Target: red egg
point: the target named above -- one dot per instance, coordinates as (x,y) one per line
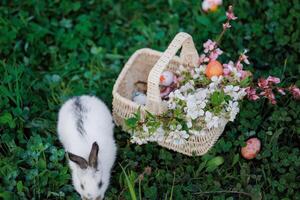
(251,149)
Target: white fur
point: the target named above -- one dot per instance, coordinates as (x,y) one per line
(98,126)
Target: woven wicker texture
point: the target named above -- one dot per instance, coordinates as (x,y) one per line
(147,65)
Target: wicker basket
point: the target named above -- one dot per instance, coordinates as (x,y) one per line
(147,65)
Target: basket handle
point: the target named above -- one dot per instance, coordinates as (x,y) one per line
(188,56)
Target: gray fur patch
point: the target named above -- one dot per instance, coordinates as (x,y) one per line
(79,114)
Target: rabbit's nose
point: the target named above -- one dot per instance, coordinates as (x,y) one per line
(85,198)
(99,198)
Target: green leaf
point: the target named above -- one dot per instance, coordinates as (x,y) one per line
(217,98)
(235,159)
(214,163)
(6,118)
(20,186)
(245,82)
(202,20)
(132,122)
(6,195)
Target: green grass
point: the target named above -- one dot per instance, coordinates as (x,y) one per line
(130,185)
(52,50)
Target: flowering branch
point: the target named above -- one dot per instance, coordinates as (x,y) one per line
(211,50)
(267,87)
(230,16)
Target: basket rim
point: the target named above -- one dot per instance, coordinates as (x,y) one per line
(128,64)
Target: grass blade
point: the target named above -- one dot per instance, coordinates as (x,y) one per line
(129,185)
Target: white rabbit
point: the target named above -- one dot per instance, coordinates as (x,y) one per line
(85,129)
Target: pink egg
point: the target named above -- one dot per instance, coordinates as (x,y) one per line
(251,149)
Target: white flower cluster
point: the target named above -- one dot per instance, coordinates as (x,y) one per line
(195,103)
(215,82)
(235,92)
(177,136)
(194,108)
(211,120)
(145,136)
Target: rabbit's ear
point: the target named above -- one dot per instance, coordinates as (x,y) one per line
(81,162)
(93,158)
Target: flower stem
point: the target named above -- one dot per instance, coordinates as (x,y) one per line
(221,34)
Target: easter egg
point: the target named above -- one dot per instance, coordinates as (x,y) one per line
(139,98)
(166,78)
(251,149)
(211,5)
(214,8)
(213,68)
(141,86)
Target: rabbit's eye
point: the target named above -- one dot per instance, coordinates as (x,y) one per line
(100,184)
(82,187)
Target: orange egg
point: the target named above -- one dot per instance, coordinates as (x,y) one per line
(251,149)
(214,8)
(214,68)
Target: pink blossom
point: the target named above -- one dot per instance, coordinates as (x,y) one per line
(228,68)
(226,72)
(295,91)
(230,15)
(226,26)
(230,65)
(175,79)
(273,79)
(239,65)
(266,83)
(244,74)
(268,93)
(203,59)
(251,94)
(209,45)
(281,91)
(273,101)
(263,83)
(244,58)
(215,54)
